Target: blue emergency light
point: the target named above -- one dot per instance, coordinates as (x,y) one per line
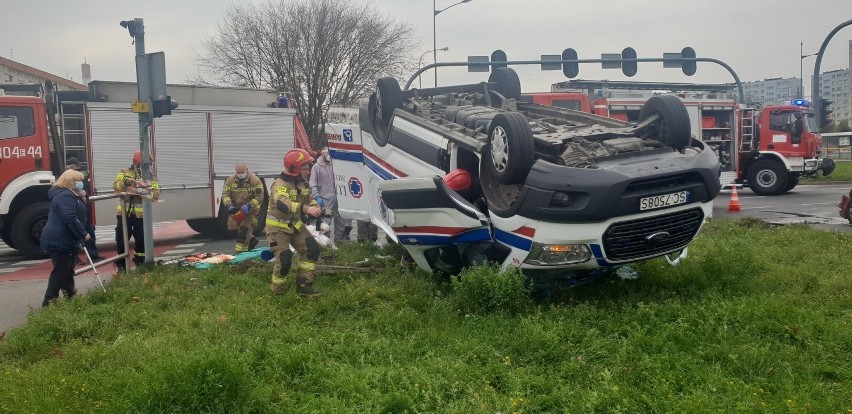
(801,102)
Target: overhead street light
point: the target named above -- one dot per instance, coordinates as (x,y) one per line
(435,13)
(801,74)
(420,61)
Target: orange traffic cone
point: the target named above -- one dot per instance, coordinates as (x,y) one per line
(734,205)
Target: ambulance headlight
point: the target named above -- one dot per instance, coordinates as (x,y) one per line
(557,254)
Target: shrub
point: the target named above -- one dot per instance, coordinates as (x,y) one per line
(485,289)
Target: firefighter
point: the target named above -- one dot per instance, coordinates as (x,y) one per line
(129,180)
(289,199)
(242,196)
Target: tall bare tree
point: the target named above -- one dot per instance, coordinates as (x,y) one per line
(321,52)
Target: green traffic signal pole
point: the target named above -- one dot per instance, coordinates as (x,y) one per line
(815,98)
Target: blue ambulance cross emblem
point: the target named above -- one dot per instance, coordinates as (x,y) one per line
(355,187)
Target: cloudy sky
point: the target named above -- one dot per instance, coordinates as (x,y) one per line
(759,39)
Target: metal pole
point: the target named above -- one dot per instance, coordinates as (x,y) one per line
(434,41)
(145,144)
(124,234)
(815,82)
(801,74)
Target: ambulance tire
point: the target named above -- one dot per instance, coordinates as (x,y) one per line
(388,97)
(510,84)
(27,228)
(510,151)
(379,130)
(673,128)
(6,233)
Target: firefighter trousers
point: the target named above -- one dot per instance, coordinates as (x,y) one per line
(305,245)
(136,230)
(245,232)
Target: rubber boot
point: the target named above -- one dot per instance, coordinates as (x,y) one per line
(252,243)
(304,288)
(278,288)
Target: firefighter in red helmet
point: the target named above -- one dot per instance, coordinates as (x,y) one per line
(289,199)
(129,180)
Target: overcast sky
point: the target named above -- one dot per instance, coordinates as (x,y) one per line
(759,39)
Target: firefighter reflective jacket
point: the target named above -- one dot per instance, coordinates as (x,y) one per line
(238,192)
(287,196)
(129,177)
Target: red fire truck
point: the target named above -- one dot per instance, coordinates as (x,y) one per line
(767,149)
(195,149)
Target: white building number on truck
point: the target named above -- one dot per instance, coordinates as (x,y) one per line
(32,151)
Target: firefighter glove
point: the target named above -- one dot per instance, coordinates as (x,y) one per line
(232,209)
(245,208)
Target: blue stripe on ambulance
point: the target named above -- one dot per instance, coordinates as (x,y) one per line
(433,240)
(511,239)
(598,253)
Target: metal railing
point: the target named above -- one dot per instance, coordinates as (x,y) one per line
(838,147)
(125,256)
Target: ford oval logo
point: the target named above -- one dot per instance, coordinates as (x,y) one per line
(657,237)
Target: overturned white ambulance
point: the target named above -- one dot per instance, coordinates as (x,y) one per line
(555,188)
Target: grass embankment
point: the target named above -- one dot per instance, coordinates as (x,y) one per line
(757,319)
(843,172)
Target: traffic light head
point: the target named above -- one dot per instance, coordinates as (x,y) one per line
(163,107)
(824,111)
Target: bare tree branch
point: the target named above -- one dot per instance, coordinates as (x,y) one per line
(320,52)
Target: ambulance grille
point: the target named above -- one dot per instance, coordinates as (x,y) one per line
(651,236)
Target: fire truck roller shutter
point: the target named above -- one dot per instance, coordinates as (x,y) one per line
(673,127)
(259,139)
(114,137)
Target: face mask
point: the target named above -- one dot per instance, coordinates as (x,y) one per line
(242,176)
(79,185)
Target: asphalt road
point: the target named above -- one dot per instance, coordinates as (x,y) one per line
(22,281)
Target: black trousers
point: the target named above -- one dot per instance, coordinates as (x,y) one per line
(61,277)
(91,244)
(135,230)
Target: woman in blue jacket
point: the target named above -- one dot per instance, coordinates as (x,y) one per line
(63,233)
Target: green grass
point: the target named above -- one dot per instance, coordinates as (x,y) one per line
(757,319)
(843,172)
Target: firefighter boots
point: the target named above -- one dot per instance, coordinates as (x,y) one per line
(304,288)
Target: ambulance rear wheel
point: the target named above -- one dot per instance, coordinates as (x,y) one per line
(27,228)
(672,128)
(767,177)
(510,84)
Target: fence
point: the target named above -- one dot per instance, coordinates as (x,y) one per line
(837,145)
(124,256)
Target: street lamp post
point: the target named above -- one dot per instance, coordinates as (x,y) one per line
(801,74)
(420,62)
(435,13)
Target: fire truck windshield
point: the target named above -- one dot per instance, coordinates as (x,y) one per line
(811,121)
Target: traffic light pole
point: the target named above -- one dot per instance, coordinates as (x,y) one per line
(143,78)
(815,85)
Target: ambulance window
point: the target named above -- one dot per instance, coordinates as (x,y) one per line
(16,122)
(811,122)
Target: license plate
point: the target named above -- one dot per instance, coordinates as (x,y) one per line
(665,200)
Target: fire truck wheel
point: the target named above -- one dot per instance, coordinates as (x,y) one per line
(27,227)
(388,98)
(510,84)
(673,127)
(511,150)
(6,233)
(767,177)
(792,182)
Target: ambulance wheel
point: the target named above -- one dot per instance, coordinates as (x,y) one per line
(6,233)
(510,84)
(672,128)
(767,177)
(511,150)
(388,98)
(27,228)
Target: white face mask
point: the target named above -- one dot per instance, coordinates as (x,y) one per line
(242,176)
